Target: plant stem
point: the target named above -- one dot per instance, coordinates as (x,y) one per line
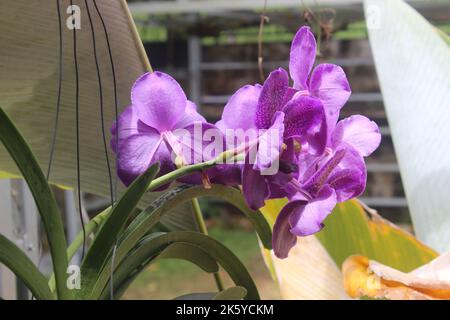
(202,227)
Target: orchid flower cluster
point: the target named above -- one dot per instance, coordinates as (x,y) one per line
(289,139)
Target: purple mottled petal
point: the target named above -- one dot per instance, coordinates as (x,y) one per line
(308,219)
(359,132)
(269,146)
(254,187)
(329,83)
(272,97)
(282,238)
(190,116)
(240,111)
(320,177)
(303,54)
(289,94)
(305,119)
(159,100)
(137,153)
(347,183)
(308,164)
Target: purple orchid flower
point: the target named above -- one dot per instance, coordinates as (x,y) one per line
(327,82)
(276,108)
(337,176)
(153,128)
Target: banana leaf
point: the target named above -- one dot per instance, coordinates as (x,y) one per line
(29,60)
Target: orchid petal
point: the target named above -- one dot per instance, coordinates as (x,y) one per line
(303,54)
(269,146)
(128,126)
(320,177)
(283,240)
(305,118)
(254,187)
(240,111)
(138,152)
(271,98)
(190,116)
(350,176)
(359,132)
(226,174)
(190,144)
(159,100)
(308,219)
(329,83)
(347,183)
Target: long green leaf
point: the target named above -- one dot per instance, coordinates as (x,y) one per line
(233,293)
(109,232)
(153,244)
(43,196)
(90,228)
(14,258)
(197,296)
(139,259)
(192,253)
(148,218)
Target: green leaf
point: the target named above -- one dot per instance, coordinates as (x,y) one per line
(166,203)
(234,293)
(412,61)
(192,253)
(139,259)
(43,196)
(148,218)
(153,244)
(13,258)
(89,229)
(109,232)
(197,296)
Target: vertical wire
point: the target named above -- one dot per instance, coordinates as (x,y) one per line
(116,107)
(58,100)
(100,86)
(116,103)
(77,125)
(56,120)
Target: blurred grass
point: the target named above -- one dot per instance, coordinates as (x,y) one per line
(168,279)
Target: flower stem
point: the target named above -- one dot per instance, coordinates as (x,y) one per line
(202,227)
